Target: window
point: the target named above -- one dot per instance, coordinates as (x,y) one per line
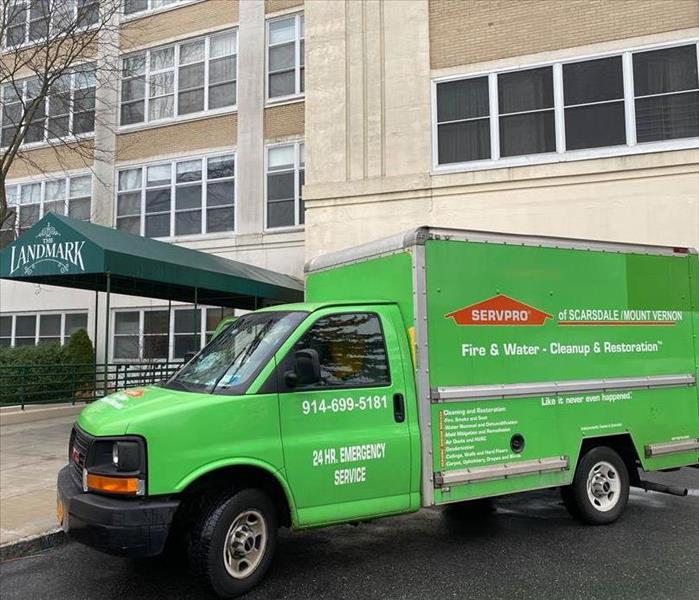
(187,78)
(351,350)
(47,328)
(285,178)
(189,196)
(666,90)
(25,330)
(30,21)
(5,331)
(463,120)
(617,102)
(525,104)
(152,334)
(50,329)
(132,7)
(187,331)
(70,196)
(285,57)
(126,335)
(155,334)
(594,103)
(68,109)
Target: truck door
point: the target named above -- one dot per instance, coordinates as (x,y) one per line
(345,437)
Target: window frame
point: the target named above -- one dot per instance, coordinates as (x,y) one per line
(298,93)
(43,182)
(203,333)
(285,363)
(297,226)
(70,136)
(560,154)
(27,43)
(173,161)
(64,336)
(176,117)
(125,17)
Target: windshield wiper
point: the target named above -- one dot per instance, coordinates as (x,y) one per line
(246,353)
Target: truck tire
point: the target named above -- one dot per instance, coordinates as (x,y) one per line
(600,489)
(232,541)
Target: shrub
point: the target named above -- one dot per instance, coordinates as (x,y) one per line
(47,372)
(79,351)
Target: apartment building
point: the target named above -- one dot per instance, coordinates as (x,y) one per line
(200,142)
(574,118)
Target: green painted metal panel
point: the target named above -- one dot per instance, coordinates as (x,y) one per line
(583,314)
(387,278)
(345,455)
(500,314)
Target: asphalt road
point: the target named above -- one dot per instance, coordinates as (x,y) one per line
(528,547)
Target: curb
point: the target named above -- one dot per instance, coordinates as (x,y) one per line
(32,544)
(15,416)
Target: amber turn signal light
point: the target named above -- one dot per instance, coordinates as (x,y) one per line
(113,485)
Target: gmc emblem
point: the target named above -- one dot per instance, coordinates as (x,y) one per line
(75,455)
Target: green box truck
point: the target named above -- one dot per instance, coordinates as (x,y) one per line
(432,367)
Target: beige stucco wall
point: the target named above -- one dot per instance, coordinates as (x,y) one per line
(284,120)
(178,23)
(200,134)
(463,32)
(649,199)
(367,90)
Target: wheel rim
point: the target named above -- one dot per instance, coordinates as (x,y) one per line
(603,486)
(245,544)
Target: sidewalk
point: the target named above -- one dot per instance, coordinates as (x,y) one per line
(31,455)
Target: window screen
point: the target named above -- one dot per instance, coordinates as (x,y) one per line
(594,103)
(462,120)
(667,94)
(526,112)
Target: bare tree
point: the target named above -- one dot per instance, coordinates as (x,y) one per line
(48,79)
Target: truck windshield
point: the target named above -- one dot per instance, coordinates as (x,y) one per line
(230,362)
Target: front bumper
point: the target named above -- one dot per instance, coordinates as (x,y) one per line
(122,526)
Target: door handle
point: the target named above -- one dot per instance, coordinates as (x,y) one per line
(398,407)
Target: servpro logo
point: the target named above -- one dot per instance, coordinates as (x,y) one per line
(499,310)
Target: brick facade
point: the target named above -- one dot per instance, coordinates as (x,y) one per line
(465,32)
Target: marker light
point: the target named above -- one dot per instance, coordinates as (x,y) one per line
(115,485)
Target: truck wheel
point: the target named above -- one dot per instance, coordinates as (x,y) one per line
(233,541)
(600,488)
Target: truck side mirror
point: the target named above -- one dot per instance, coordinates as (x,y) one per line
(189,356)
(306,368)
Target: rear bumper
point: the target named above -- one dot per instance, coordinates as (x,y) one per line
(126,527)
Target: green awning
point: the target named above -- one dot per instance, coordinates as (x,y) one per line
(61,251)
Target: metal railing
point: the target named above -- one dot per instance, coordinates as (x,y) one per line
(21,385)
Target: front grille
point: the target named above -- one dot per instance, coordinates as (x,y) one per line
(77,452)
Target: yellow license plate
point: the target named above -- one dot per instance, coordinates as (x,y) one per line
(60,511)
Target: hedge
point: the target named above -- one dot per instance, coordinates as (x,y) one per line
(48,372)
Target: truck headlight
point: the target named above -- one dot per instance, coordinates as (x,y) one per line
(116,466)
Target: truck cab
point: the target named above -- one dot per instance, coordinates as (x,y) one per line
(309,407)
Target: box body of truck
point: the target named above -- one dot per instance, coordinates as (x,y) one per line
(526,350)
